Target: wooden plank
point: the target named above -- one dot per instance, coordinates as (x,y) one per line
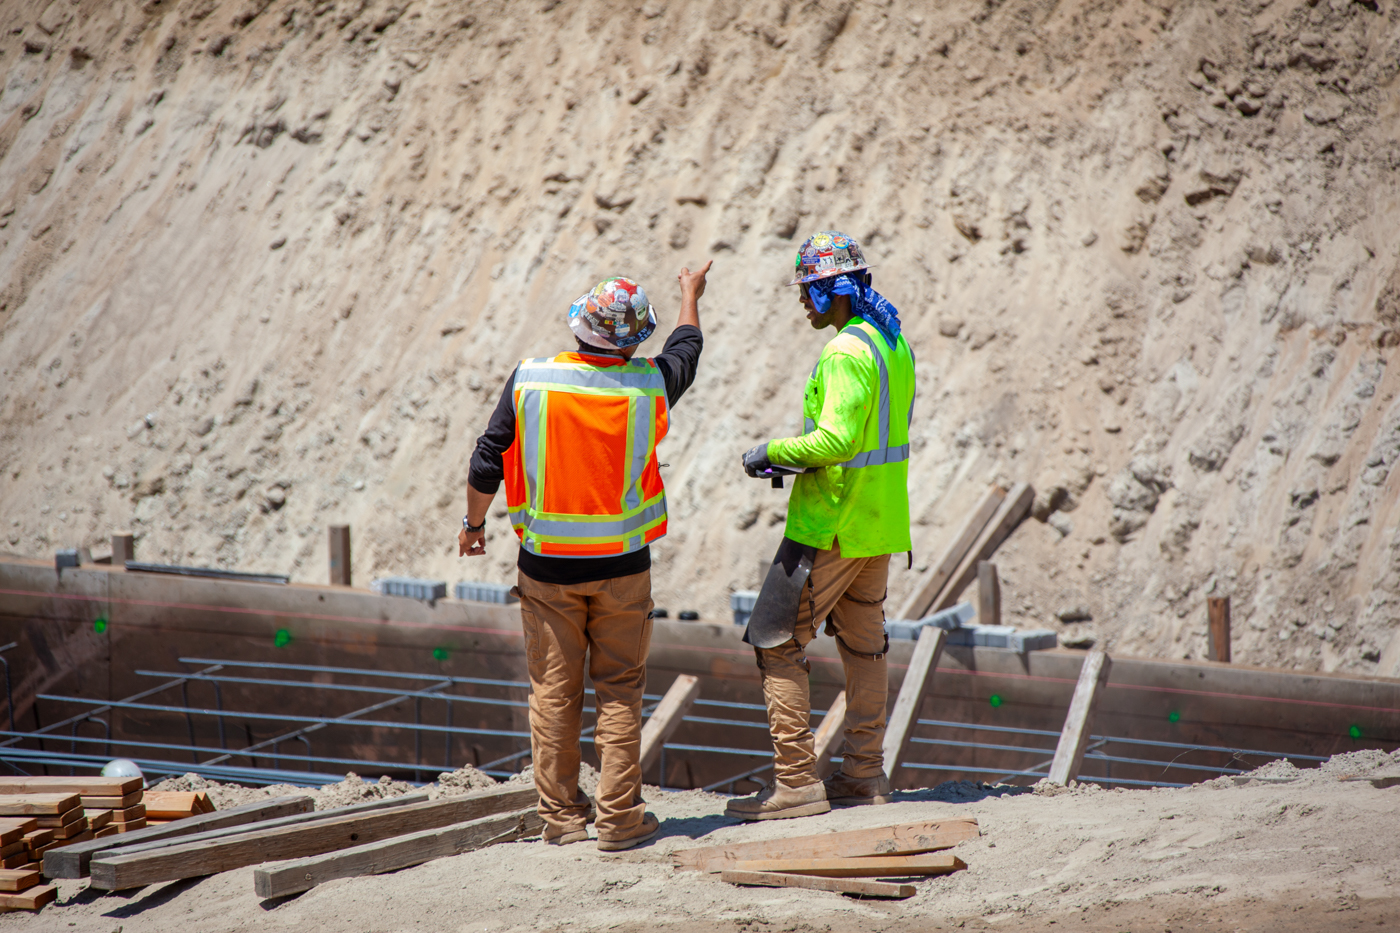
(16,860)
(32,899)
(1218,609)
(12,880)
(1074,738)
(127,869)
(86,786)
(339,555)
(66,819)
(857,886)
(72,861)
(919,602)
(202,801)
(917,680)
(1008,515)
(92,802)
(988,594)
(15,848)
(98,818)
(900,839)
(34,840)
(874,866)
(170,805)
(82,836)
(392,854)
(137,812)
(830,734)
(15,828)
(125,847)
(37,804)
(662,724)
(130,826)
(111,829)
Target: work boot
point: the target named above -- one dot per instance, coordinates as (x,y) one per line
(780,802)
(842,790)
(564,837)
(650,826)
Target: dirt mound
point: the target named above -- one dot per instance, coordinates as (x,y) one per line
(268,263)
(354,789)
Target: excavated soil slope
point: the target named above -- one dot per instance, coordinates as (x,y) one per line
(265,264)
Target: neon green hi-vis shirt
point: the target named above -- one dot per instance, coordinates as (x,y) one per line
(856,408)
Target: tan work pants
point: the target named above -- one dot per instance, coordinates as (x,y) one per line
(608,622)
(852,592)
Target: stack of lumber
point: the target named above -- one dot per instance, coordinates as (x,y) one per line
(162,807)
(20,838)
(839,862)
(362,839)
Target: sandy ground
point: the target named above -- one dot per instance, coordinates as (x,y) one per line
(1281,850)
(264,265)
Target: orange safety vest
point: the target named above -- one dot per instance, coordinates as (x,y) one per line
(581,477)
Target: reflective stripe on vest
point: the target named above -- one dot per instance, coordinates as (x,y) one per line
(884,453)
(636,519)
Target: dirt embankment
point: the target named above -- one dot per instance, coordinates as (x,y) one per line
(266,262)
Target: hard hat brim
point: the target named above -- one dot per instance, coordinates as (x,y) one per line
(584,331)
(802,279)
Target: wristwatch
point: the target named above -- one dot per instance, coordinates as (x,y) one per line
(468,526)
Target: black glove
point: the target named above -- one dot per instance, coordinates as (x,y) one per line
(756,460)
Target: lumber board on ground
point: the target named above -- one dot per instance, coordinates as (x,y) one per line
(12,880)
(37,804)
(16,828)
(124,847)
(85,786)
(830,733)
(917,680)
(120,870)
(94,802)
(31,899)
(919,602)
(870,866)
(375,858)
(1074,737)
(72,861)
(1008,515)
(900,839)
(769,879)
(662,723)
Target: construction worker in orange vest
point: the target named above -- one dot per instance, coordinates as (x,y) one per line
(574,439)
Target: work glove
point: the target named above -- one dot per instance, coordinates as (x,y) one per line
(756,460)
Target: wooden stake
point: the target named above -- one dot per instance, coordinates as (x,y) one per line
(1218,608)
(392,854)
(830,734)
(917,680)
(1013,508)
(988,594)
(123,549)
(900,839)
(663,723)
(872,866)
(917,605)
(340,555)
(768,879)
(1074,738)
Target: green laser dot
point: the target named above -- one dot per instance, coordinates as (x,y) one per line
(282,638)
(1355,732)
(439,654)
(99,625)
(996,699)
(1173,716)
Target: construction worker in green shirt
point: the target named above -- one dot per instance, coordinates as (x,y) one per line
(848,512)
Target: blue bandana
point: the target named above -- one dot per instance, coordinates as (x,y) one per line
(866,303)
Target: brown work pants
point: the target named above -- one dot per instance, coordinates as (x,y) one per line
(851,592)
(608,623)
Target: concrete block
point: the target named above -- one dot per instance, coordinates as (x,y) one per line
(1039,639)
(992,636)
(499,593)
(67,557)
(429,591)
(952,617)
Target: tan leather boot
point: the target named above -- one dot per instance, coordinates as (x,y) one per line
(645,833)
(846,791)
(780,802)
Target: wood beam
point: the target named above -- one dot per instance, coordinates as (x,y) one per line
(662,724)
(830,733)
(1074,738)
(72,861)
(899,839)
(988,594)
(118,871)
(917,680)
(340,555)
(392,854)
(1218,609)
(919,602)
(859,886)
(1008,515)
(83,786)
(869,866)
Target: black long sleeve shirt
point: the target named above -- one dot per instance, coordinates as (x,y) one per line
(678,362)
